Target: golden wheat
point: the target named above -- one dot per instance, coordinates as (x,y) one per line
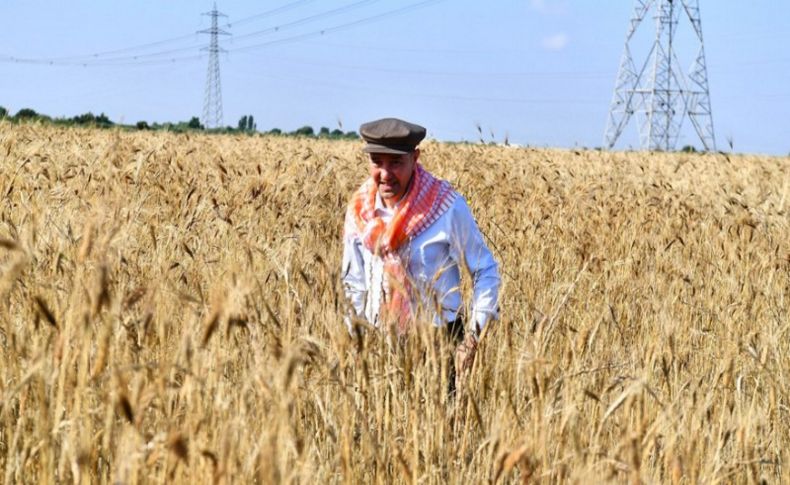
(172,312)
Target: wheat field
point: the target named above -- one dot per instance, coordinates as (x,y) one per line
(172,312)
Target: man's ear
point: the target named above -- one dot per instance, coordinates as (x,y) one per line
(416,154)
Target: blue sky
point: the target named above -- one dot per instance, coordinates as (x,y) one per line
(539,72)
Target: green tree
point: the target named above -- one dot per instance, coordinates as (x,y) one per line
(323,131)
(305,131)
(84,119)
(247,123)
(90,119)
(25,114)
(104,120)
(142,125)
(194,123)
(3,112)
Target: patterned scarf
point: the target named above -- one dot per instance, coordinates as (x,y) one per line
(427,199)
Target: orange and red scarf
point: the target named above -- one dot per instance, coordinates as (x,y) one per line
(426,200)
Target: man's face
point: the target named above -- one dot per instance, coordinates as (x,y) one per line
(391,174)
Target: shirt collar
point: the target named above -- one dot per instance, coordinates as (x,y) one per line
(381,208)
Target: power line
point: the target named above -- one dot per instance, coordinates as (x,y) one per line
(147,45)
(16,60)
(422,72)
(274,29)
(99,57)
(337,28)
(269,13)
(146,59)
(762,33)
(311,18)
(122,50)
(421,49)
(443,96)
(236,23)
(269,30)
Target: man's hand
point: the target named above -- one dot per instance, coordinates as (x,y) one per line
(464,358)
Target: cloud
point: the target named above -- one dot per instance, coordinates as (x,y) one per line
(539,5)
(555,42)
(547,7)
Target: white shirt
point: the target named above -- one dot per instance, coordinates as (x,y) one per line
(433,259)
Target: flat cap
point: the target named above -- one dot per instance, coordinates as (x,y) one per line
(391,135)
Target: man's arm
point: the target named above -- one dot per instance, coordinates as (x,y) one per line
(353,275)
(470,249)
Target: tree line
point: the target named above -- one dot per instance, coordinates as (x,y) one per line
(246,124)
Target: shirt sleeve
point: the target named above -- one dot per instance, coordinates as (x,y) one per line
(469,249)
(353,272)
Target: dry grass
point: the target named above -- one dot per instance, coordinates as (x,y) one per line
(171,312)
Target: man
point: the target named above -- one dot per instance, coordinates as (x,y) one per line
(406,235)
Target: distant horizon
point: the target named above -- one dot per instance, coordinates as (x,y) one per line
(170,126)
(535,72)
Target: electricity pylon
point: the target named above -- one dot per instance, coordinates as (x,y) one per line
(660,94)
(212,104)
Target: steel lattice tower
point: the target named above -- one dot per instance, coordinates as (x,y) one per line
(212,104)
(660,93)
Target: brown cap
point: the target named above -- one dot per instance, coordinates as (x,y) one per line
(391,135)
